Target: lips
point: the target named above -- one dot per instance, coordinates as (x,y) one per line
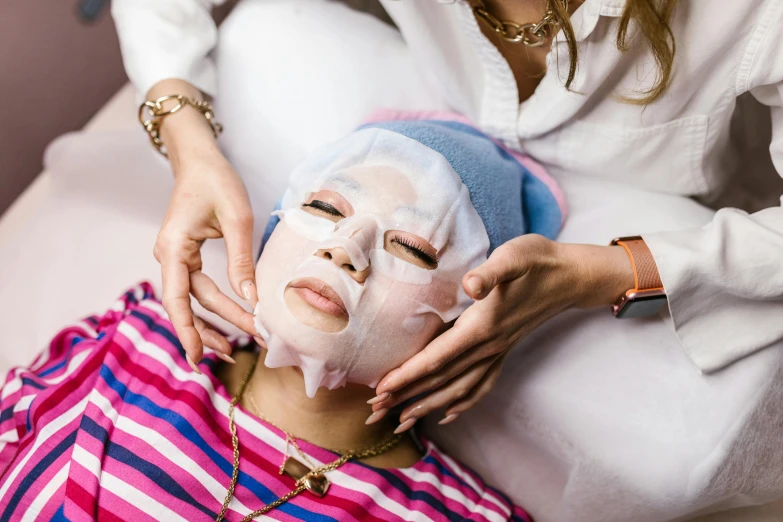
(320,296)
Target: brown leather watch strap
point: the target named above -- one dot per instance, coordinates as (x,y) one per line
(645,271)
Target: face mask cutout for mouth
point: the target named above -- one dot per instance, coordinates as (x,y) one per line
(365,266)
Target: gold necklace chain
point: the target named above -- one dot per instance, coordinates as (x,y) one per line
(289,439)
(532,35)
(301,484)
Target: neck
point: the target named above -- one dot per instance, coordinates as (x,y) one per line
(333,419)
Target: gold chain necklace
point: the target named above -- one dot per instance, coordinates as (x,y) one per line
(312,480)
(532,35)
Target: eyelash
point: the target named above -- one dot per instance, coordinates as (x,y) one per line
(324,207)
(413,249)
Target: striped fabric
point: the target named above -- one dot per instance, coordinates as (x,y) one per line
(109,423)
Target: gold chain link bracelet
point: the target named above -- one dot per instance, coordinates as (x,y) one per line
(156,113)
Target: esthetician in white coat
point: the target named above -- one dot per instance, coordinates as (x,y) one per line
(647,103)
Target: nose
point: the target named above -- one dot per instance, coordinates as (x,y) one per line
(340,257)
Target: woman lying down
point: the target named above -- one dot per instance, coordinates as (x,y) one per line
(362,269)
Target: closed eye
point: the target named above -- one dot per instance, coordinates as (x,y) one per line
(415,251)
(327,204)
(322,206)
(411,248)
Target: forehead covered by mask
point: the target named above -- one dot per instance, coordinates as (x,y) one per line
(365,266)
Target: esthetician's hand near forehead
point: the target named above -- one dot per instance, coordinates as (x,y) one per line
(524,283)
(209,201)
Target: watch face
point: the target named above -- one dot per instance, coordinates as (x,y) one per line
(641,306)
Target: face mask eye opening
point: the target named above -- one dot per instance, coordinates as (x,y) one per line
(328,204)
(411,249)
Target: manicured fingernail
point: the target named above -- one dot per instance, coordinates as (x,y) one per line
(405,425)
(376,416)
(415,413)
(192,364)
(379,398)
(248,287)
(476,285)
(225,357)
(388,381)
(448,418)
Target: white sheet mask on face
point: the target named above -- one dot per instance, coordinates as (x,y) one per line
(393,183)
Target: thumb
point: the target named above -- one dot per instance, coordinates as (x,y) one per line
(503,265)
(241,268)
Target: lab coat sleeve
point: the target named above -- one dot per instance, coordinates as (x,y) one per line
(725,281)
(167,39)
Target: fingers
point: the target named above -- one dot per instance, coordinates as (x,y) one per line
(476,394)
(238,234)
(212,299)
(504,264)
(442,350)
(176,302)
(212,339)
(458,388)
(429,382)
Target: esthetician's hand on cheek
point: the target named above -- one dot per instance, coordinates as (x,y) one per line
(209,201)
(524,283)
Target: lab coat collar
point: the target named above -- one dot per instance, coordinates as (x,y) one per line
(612,8)
(586,17)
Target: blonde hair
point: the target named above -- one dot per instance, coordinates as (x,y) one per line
(651,18)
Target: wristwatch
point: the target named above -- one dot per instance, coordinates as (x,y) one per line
(648,296)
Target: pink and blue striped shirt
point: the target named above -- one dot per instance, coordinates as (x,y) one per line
(109,423)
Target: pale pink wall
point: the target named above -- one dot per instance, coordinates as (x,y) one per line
(55,73)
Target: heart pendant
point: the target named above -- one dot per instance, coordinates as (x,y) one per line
(317,484)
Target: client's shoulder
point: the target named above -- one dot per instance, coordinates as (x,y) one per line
(139,335)
(94,360)
(462,489)
(131,340)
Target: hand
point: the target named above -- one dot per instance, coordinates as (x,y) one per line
(523,283)
(209,201)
